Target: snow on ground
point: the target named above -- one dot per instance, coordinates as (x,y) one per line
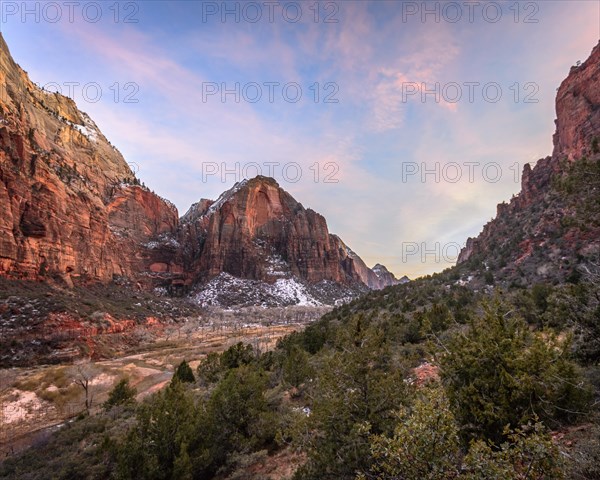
(24,407)
(379,270)
(103,379)
(294,292)
(89,129)
(226,290)
(277,267)
(462,282)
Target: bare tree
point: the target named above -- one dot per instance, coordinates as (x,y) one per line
(83,373)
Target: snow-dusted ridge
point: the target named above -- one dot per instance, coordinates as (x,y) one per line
(226,196)
(225,290)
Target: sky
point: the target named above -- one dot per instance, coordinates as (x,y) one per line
(403,123)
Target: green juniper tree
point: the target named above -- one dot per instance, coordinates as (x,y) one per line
(184,373)
(500,373)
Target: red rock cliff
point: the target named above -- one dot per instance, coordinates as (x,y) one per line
(578,109)
(66,206)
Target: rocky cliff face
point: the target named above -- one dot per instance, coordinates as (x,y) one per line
(536,234)
(257,231)
(577,109)
(68,203)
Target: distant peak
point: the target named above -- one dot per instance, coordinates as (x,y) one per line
(381,271)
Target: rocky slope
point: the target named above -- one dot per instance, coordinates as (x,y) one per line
(554,222)
(69,200)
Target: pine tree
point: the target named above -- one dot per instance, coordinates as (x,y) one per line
(121,394)
(184,373)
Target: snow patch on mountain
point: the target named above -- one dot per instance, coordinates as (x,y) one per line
(225,290)
(295,292)
(89,129)
(277,266)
